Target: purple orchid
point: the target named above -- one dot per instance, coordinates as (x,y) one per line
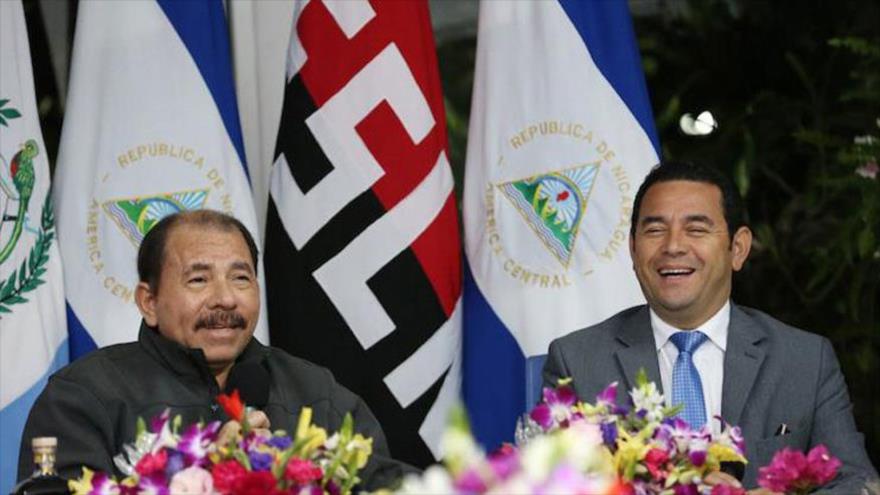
(196,441)
(103,484)
(556,408)
(732,436)
(158,422)
(675,434)
(608,397)
(152,485)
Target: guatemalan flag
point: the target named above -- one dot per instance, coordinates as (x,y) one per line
(33,336)
(151,128)
(561,136)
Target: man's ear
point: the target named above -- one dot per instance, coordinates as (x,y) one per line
(146,303)
(740,247)
(632,248)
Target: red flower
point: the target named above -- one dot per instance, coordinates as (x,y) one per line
(226,475)
(233,405)
(152,463)
(256,483)
(655,459)
(302,472)
(728,490)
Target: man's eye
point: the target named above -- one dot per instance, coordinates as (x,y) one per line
(196,280)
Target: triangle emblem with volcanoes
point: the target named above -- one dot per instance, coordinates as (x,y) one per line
(135,216)
(554,205)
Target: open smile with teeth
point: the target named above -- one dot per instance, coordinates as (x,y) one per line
(675,272)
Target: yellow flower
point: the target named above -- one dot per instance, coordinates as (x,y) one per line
(309,436)
(358,451)
(305,419)
(83,485)
(631,450)
(719,453)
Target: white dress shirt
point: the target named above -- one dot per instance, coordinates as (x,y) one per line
(708,359)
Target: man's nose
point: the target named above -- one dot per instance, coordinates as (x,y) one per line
(675,242)
(222,295)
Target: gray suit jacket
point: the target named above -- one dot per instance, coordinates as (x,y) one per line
(773,374)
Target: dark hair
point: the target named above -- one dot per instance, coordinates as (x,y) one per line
(151,254)
(731,202)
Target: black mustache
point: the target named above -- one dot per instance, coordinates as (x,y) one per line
(229,319)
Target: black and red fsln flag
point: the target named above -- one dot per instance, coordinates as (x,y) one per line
(362,246)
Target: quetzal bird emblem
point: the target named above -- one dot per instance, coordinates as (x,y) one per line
(21,169)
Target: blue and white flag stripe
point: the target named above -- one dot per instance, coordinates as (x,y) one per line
(33,339)
(152,120)
(557,85)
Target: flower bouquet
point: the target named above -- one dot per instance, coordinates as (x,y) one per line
(653,451)
(566,446)
(164,460)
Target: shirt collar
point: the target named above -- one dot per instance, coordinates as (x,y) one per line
(715,328)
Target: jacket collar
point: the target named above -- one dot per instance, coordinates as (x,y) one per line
(189,362)
(638,349)
(742,360)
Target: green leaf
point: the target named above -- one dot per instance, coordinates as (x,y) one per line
(22,272)
(242,459)
(10,113)
(15,299)
(866,243)
(4,309)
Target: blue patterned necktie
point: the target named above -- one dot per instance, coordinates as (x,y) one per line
(687,388)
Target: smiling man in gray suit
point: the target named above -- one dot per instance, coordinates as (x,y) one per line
(782,385)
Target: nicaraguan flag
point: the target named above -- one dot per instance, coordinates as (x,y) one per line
(561,136)
(33,335)
(151,128)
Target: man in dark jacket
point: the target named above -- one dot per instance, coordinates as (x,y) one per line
(200,301)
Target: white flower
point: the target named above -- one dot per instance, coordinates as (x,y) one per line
(649,399)
(869,170)
(538,458)
(434,480)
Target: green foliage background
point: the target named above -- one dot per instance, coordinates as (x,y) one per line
(795,87)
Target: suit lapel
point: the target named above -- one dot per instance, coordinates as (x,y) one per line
(742,360)
(639,350)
